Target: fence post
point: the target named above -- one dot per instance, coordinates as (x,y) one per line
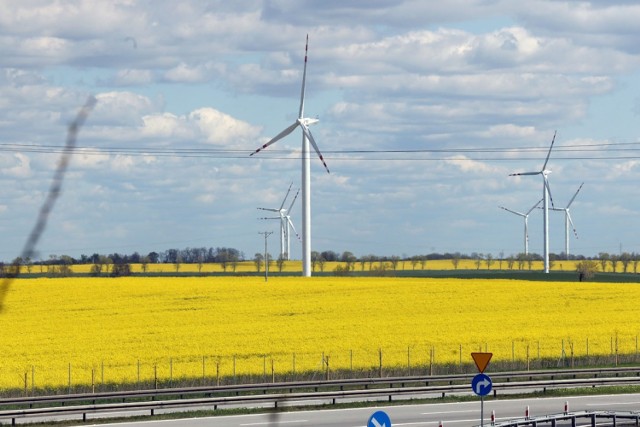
(431,360)
(273,372)
(409,359)
(572,359)
(528,360)
(25,383)
(234,368)
(138,373)
(93,381)
(327,367)
(380,365)
(170,372)
(264,368)
(155,376)
(69,378)
(102,373)
(33,378)
(218,373)
(351,360)
(294,366)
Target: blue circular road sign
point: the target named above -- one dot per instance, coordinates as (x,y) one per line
(481,384)
(379,419)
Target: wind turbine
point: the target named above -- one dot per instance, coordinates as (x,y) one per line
(285,224)
(546,196)
(303,123)
(526,227)
(567,221)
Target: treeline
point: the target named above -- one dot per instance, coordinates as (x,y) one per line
(170,256)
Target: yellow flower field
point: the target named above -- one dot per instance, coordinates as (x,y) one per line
(120,330)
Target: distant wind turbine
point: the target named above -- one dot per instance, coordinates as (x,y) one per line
(526,227)
(546,196)
(567,221)
(285,224)
(307,138)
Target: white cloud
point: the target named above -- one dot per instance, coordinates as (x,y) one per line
(222,129)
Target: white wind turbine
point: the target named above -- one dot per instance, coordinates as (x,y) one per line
(285,224)
(303,123)
(546,195)
(526,227)
(567,221)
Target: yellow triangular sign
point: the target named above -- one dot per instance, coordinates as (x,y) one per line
(482,360)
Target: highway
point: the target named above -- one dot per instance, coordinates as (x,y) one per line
(451,414)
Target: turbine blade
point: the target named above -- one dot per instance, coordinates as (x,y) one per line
(304,78)
(525,173)
(279,136)
(513,212)
(269,217)
(534,206)
(294,229)
(549,153)
(546,184)
(285,197)
(270,210)
(307,133)
(572,225)
(294,200)
(574,196)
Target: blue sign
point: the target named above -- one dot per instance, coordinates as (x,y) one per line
(481,384)
(379,419)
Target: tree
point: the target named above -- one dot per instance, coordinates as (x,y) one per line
(394,261)
(478,260)
(604,258)
(280,262)
(144,262)
(586,269)
(625,260)
(614,262)
(455,261)
(489,261)
(349,259)
(510,260)
(258,259)
(315,255)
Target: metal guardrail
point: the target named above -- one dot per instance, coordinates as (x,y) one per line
(614,418)
(332,391)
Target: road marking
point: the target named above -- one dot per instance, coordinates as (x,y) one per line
(271,423)
(448,412)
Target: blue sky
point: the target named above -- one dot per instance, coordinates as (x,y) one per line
(473,85)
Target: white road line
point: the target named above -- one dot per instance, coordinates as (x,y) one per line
(271,423)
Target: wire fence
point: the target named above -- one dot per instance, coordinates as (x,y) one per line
(186,371)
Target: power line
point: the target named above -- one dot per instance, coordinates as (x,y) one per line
(599,151)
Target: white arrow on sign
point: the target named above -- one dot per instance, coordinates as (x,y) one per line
(482,384)
(377,424)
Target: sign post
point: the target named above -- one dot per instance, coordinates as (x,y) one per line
(481,383)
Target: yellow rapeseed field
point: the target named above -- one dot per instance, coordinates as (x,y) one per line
(56,331)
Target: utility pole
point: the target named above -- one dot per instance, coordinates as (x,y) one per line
(266,254)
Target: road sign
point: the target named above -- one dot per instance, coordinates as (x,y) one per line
(482,360)
(379,419)
(481,384)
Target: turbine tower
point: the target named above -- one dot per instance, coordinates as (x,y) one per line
(567,221)
(285,224)
(526,227)
(546,196)
(303,123)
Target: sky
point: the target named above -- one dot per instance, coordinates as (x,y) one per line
(424,110)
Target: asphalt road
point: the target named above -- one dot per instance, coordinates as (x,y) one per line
(450,414)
